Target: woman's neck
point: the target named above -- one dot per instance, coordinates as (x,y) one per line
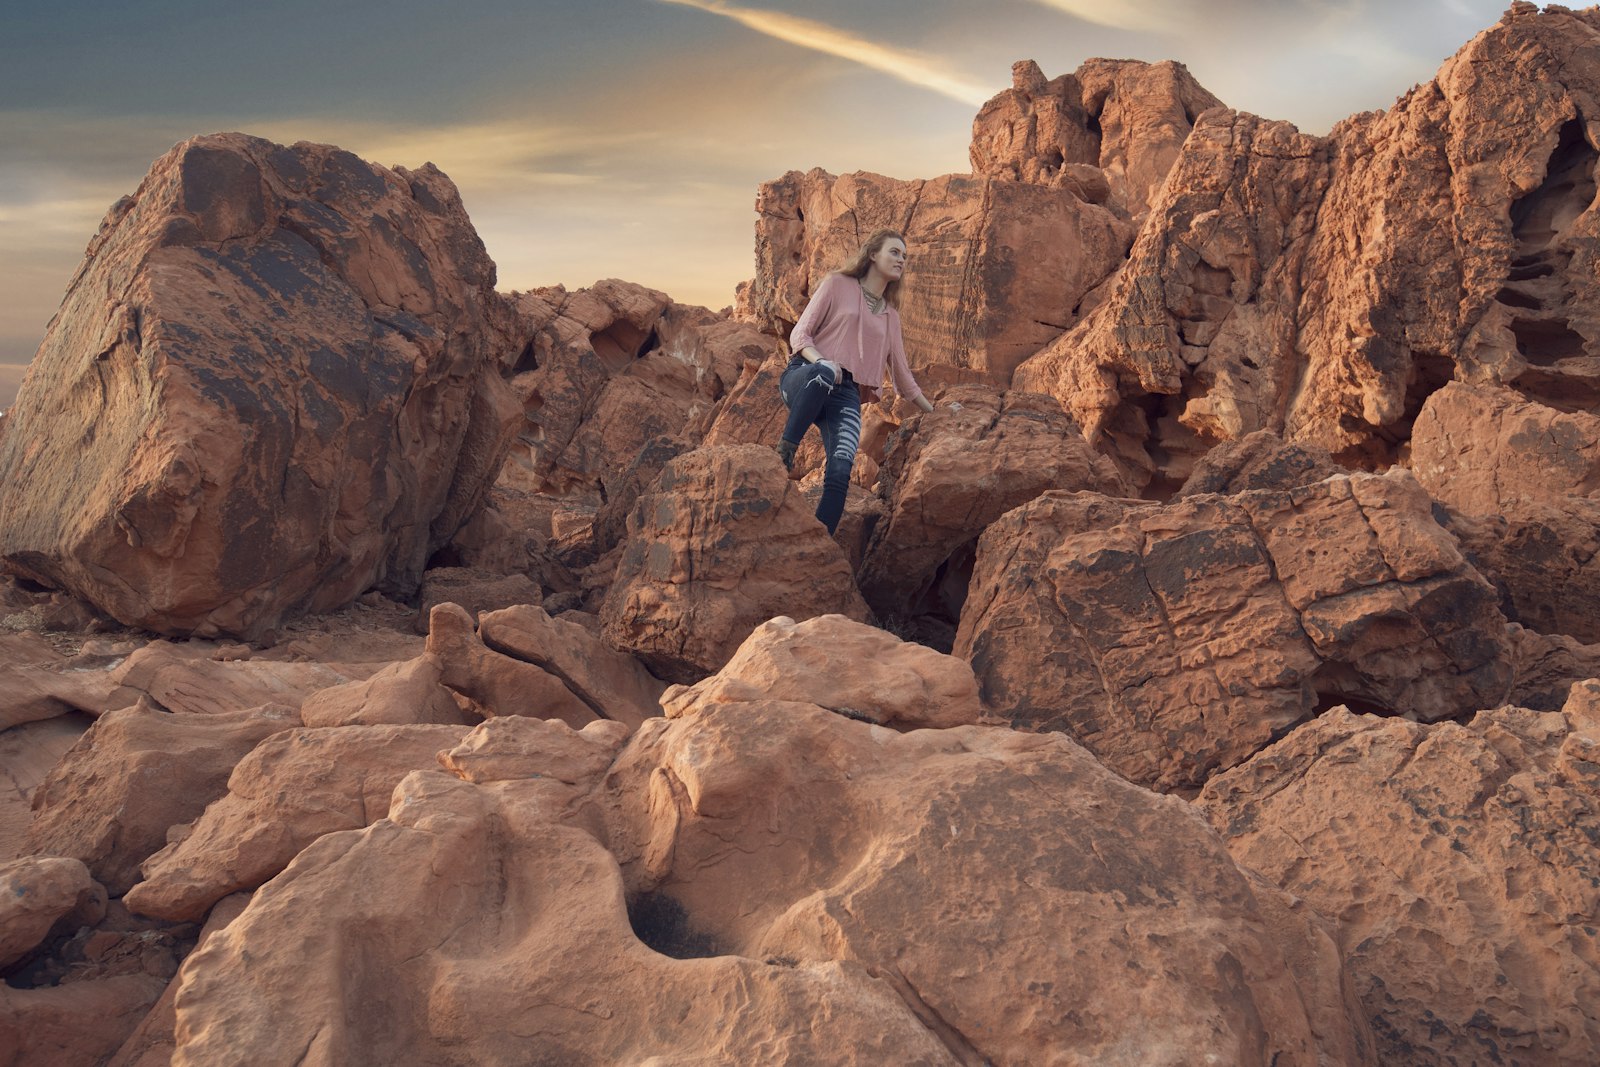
(874,282)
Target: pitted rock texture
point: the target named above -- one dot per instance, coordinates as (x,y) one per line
(273,384)
(608,368)
(721,543)
(949,474)
(1178,640)
(1324,287)
(1459,864)
(1110,131)
(1203,316)
(137,772)
(290,790)
(848,667)
(997,267)
(861,841)
(1526,478)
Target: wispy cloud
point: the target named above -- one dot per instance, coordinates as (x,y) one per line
(913,68)
(1144,16)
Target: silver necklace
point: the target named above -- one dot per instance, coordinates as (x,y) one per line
(874,301)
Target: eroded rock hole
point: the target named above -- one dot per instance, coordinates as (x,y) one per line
(620,344)
(527,360)
(1544,342)
(1566,192)
(661,922)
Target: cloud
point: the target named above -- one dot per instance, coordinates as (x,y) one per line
(1143,16)
(910,67)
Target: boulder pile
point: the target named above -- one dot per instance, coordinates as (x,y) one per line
(393,670)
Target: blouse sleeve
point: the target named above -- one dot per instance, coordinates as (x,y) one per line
(815,314)
(899,369)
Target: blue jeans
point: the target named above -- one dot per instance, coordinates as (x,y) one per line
(812,397)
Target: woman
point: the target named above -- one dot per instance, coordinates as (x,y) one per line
(848,335)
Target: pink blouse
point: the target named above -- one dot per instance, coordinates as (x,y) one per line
(838,323)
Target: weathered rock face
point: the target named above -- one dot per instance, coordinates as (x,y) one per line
(138,771)
(997,268)
(290,790)
(848,667)
(1116,125)
(722,543)
(1204,314)
(81,1022)
(1527,479)
(1175,641)
(1459,864)
(1323,287)
(860,841)
(609,368)
(1024,852)
(1260,460)
(272,385)
(952,475)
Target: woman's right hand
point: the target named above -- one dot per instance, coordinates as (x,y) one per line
(833,369)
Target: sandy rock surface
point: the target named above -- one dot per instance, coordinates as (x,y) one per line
(1459,865)
(272,385)
(290,790)
(673,837)
(846,666)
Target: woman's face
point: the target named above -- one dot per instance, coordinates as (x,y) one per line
(891,259)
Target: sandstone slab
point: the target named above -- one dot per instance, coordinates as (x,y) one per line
(845,666)
(1525,480)
(138,771)
(290,790)
(612,684)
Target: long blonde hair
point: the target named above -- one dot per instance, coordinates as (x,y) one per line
(861,262)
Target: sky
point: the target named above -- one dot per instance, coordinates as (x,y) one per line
(615,138)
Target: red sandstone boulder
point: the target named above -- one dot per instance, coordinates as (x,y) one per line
(1526,480)
(1177,640)
(1459,864)
(848,667)
(138,771)
(37,893)
(490,683)
(721,543)
(948,475)
(290,790)
(997,269)
(272,385)
(408,693)
(612,684)
(1259,460)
